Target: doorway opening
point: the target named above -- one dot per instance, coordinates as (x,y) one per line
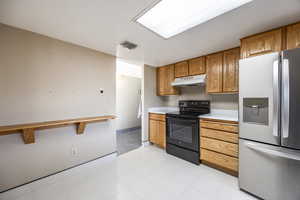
(129,108)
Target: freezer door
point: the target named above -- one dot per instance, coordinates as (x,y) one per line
(291,98)
(259,98)
(269,172)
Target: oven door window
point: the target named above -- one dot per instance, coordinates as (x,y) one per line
(183,132)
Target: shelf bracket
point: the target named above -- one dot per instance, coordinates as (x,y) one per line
(80,128)
(28,136)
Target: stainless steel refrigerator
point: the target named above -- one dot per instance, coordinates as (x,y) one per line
(269,144)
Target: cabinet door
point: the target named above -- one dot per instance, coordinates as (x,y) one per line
(197,66)
(261,44)
(214,65)
(165,76)
(293,36)
(181,69)
(231,70)
(161,80)
(153,128)
(161,135)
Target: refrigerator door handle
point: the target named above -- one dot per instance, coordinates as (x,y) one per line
(285,98)
(276,97)
(272,152)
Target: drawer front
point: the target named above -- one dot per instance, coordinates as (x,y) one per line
(219,159)
(160,117)
(219,146)
(220,135)
(219,126)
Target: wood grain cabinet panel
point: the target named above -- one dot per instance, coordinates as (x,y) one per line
(262,43)
(161,135)
(219,126)
(219,135)
(219,146)
(157,129)
(218,159)
(165,76)
(214,71)
(181,69)
(159,117)
(161,80)
(231,70)
(153,131)
(197,66)
(293,36)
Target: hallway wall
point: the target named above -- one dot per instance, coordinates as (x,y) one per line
(128,99)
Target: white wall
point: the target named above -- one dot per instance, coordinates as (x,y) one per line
(128,99)
(150,99)
(45,79)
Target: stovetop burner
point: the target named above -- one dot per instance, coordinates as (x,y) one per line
(191,109)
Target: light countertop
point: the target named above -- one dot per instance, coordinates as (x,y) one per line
(162,110)
(220,114)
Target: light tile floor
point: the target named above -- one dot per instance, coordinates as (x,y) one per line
(147,173)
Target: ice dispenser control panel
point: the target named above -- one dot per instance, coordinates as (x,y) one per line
(256,110)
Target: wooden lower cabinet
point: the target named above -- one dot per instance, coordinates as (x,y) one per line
(221,160)
(219,145)
(157,129)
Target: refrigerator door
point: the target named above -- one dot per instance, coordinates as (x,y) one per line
(291,98)
(259,96)
(268,171)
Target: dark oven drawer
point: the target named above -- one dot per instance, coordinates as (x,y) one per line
(183,132)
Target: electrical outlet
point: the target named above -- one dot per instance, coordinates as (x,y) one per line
(74,151)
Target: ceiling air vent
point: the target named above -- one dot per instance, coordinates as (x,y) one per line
(128,45)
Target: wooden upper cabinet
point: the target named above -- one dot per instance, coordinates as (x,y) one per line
(161,71)
(293,36)
(181,69)
(197,66)
(262,43)
(165,76)
(231,70)
(214,71)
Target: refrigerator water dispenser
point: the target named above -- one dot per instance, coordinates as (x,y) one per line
(256,110)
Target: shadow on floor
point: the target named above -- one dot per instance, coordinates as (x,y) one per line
(128,140)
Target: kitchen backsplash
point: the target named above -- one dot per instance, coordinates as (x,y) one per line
(218,101)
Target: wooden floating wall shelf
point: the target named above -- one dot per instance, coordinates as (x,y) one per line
(27,130)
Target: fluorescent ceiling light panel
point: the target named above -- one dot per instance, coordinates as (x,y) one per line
(171,17)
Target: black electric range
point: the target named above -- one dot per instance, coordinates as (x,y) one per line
(183,130)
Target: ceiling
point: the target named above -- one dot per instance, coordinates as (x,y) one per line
(102,25)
